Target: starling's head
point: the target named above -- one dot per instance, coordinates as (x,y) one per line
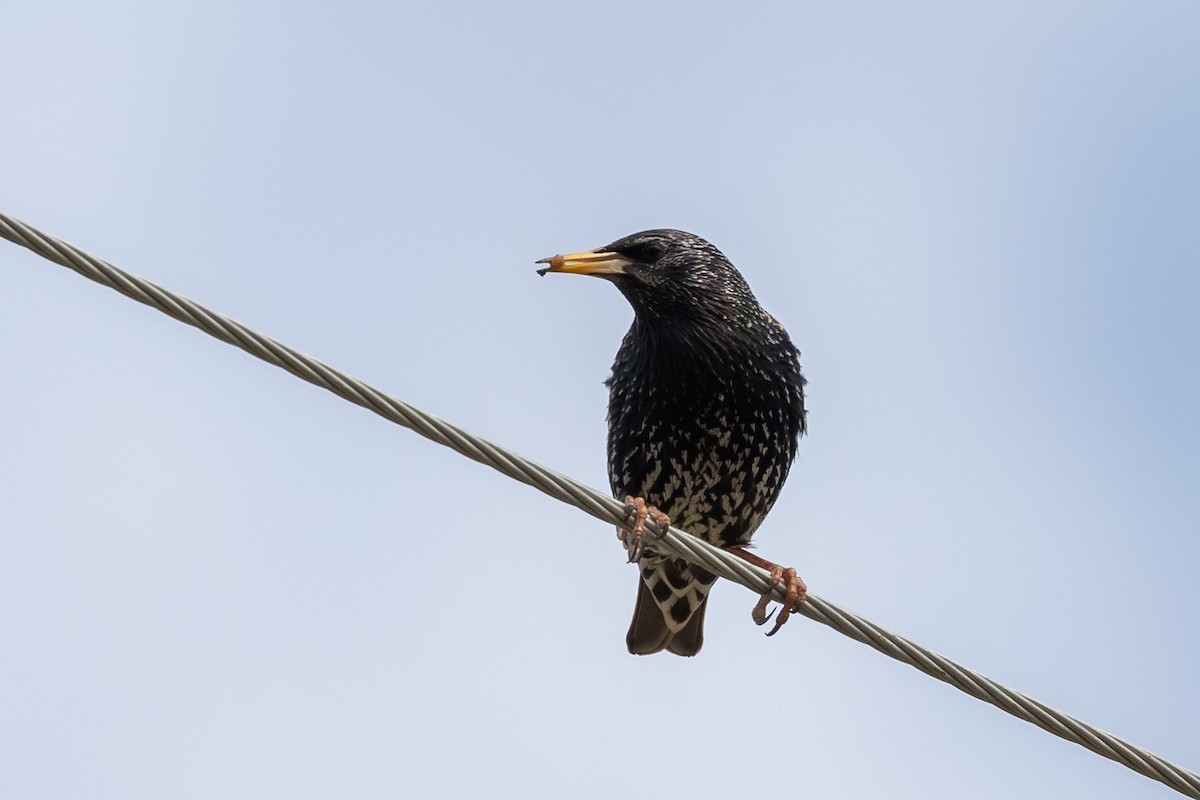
(665,274)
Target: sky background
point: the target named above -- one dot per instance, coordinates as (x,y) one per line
(978,222)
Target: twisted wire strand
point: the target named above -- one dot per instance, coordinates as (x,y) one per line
(599,505)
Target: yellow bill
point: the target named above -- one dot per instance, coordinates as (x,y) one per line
(588,262)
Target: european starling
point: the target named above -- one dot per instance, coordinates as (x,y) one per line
(705,412)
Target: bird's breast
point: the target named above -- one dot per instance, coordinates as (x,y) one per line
(709,447)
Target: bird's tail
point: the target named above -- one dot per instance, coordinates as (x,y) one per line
(669,614)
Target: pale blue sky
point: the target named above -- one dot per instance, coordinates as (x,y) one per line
(978,221)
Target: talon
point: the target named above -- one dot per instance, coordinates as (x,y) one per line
(759,614)
(632,506)
(660,519)
(638,511)
(794,596)
(635,512)
(795,593)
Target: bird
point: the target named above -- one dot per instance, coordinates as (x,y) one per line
(705,414)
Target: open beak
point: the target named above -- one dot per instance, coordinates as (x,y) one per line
(600,263)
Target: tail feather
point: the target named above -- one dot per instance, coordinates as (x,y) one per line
(657,623)
(648,633)
(689,640)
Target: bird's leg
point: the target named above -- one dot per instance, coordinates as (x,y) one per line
(795,593)
(637,511)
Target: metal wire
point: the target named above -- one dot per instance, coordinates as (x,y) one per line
(599,505)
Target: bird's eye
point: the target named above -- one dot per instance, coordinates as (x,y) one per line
(644,252)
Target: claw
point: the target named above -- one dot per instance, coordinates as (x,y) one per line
(759,613)
(795,594)
(638,511)
(635,512)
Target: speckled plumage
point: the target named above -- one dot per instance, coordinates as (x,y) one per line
(706,407)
